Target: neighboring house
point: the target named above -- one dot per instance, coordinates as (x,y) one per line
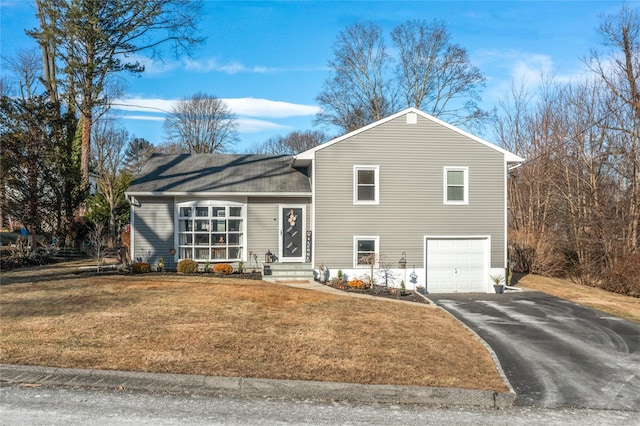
(406,187)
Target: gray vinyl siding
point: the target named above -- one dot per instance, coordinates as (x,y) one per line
(411,159)
(154,236)
(263,223)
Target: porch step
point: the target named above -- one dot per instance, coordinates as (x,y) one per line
(287,272)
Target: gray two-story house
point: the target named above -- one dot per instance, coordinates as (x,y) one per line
(406,190)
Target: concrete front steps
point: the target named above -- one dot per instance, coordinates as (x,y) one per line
(287,272)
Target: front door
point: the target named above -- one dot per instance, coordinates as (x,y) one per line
(292,230)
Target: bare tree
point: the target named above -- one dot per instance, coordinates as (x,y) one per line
(360,90)
(293,143)
(108,164)
(574,204)
(90,41)
(435,75)
(96,238)
(202,123)
(620,71)
(431,73)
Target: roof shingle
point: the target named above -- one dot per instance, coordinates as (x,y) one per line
(219,173)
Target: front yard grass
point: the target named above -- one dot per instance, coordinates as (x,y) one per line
(228,327)
(626,307)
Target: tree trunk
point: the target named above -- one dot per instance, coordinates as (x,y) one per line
(85,155)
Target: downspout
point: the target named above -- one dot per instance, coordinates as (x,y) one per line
(132,204)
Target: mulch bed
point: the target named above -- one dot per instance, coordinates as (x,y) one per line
(381,291)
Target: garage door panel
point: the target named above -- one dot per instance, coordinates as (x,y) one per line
(457,264)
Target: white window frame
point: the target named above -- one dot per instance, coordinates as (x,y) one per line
(445,187)
(210,204)
(376,174)
(357,238)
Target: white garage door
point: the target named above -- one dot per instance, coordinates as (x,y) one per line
(457,264)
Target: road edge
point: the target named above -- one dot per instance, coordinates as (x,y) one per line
(248,387)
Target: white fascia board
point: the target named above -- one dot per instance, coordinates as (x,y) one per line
(310,154)
(219,194)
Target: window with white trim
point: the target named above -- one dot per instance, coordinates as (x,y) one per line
(365,251)
(210,231)
(366,184)
(456,185)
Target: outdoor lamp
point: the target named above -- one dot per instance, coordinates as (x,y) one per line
(403,261)
(268,257)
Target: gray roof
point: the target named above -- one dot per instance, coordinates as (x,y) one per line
(219,173)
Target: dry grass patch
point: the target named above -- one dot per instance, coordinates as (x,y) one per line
(626,307)
(227,327)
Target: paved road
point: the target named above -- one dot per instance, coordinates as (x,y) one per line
(554,352)
(20,405)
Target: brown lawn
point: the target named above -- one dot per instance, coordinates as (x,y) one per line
(615,304)
(228,327)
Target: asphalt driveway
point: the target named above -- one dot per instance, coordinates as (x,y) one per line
(554,352)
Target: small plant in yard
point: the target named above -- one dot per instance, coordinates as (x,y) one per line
(161,264)
(140,268)
(187,266)
(207,266)
(222,268)
(357,284)
(240,266)
(497,279)
(403,289)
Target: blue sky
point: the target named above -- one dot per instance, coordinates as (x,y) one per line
(268,60)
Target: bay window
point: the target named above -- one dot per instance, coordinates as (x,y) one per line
(210,231)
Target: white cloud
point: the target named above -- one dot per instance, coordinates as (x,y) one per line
(254,115)
(143,117)
(233,67)
(253,107)
(513,67)
(243,107)
(252,125)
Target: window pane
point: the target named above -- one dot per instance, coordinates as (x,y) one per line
(202,225)
(186,239)
(219,253)
(234,239)
(366,193)
(235,225)
(455,177)
(202,211)
(235,252)
(185,253)
(219,226)
(455,193)
(202,253)
(202,239)
(235,211)
(219,211)
(185,225)
(366,245)
(365,258)
(219,239)
(366,177)
(185,211)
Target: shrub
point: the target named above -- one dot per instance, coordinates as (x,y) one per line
(623,276)
(140,268)
(187,266)
(222,268)
(357,284)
